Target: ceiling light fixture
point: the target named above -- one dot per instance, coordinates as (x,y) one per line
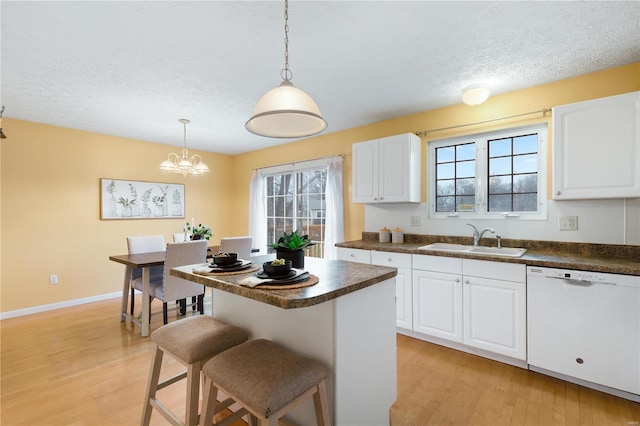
(475,94)
(286,111)
(2,135)
(185,165)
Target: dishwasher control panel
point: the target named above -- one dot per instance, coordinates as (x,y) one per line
(582,276)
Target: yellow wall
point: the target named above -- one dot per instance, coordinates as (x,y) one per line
(50,179)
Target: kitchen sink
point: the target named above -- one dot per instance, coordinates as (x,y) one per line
(477,250)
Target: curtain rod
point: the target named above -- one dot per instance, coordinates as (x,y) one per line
(425,132)
(293,163)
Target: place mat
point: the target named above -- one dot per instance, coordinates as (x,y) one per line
(218,273)
(312,280)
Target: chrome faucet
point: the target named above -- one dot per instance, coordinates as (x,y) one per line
(477,235)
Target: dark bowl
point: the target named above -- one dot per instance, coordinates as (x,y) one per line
(225,260)
(276,270)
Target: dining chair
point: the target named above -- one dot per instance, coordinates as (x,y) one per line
(179,237)
(239,245)
(178,289)
(145,244)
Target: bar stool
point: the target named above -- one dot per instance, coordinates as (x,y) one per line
(191,341)
(266,380)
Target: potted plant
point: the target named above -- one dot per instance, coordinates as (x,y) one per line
(290,246)
(199,232)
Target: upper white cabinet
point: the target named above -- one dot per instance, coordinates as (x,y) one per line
(596,148)
(387,170)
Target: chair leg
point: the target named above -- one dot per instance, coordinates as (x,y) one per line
(208,402)
(193,394)
(152,386)
(201,304)
(183,306)
(193,302)
(165,317)
(133,299)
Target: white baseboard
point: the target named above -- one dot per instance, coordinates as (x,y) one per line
(59,305)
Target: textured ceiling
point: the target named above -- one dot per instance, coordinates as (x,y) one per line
(132,69)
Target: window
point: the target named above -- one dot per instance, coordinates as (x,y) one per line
(494,174)
(295,200)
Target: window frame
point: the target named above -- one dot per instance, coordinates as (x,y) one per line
(482,173)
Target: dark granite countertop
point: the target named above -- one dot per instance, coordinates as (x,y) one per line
(610,258)
(336,278)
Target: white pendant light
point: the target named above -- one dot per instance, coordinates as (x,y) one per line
(286,111)
(475,94)
(183,164)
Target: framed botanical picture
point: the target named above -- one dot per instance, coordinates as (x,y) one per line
(129,199)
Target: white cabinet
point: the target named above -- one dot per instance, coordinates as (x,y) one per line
(404,297)
(596,148)
(481,304)
(353,255)
(495,307)
(437,297)
(387,170)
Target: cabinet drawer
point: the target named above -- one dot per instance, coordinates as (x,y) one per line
(396,260)
(354,255)
(448,265)
(495,270)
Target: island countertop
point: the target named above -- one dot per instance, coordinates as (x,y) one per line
(336,278)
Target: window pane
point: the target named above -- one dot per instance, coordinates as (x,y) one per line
(466,204)
(466,169)
(445,171)
(525,183)
(270,206)
(302,205)
(525,144)
(288,207)
(445,154)
(465,187)
(445,187)
(500,185)
(525,163)
(525,202)
(500,147)
(278,206)
(500,203)
(445,204)
(500,166)
(270,185)
(466,152)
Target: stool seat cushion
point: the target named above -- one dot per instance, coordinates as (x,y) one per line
(263,375)
(198,338)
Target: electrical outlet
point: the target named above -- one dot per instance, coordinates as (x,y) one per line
(568,223)
(416,221)
(53,279)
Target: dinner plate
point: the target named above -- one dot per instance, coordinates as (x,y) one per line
(261,274)
(231,265)
(293,280)
(238,266)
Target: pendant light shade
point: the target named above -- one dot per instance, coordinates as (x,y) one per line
(286,111)
(476,94)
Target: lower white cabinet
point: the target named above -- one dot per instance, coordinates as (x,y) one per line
(481,304)
(402,261)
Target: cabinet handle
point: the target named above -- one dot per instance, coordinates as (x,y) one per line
(389,260)
(579,360)
(352,255)
(457,280)
(382,198)
(466,281)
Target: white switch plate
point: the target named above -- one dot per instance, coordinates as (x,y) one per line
(53,279)
(416,221)
(568,223)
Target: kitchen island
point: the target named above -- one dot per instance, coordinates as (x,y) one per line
(346,320)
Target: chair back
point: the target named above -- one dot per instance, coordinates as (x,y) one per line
(240,245)
(180,254)
(146,244)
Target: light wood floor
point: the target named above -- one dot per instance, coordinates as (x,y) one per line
(81,366)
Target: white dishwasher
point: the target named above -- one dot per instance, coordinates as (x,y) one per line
(585,325)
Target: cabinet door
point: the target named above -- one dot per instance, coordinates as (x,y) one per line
(596,148)
(437,305)
(399,169)
(365,172)
(404,298)
(495,316)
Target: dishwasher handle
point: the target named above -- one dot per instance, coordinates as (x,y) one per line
(580,281)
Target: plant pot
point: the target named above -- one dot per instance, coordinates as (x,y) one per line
(296,257)
(196,237)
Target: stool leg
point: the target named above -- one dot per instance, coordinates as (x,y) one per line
(208,402)
(152,386)
(321,404)
(133,299)
(193,394)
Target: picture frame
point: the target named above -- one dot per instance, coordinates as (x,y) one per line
(131,199)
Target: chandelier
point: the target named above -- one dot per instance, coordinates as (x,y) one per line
(185,165)
(286,111)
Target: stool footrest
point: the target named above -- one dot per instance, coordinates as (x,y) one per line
(171,380)
(232,417)
(166,413)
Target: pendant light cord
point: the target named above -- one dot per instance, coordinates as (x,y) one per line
(286,73)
